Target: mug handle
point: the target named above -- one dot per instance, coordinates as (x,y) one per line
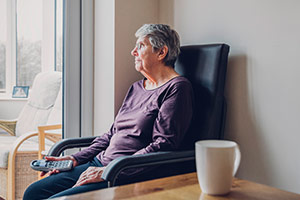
(237,159)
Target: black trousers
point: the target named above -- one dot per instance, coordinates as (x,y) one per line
(61,184)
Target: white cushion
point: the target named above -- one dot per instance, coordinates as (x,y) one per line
(55,116)
(44,106)
(45,88)
(43,95)
(7,143)
(33,118)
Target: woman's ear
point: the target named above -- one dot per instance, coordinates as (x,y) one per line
(162,53)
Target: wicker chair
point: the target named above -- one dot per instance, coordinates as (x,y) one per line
(20,145)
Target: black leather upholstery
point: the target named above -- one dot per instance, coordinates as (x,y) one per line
(205,66)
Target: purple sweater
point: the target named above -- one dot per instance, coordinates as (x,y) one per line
(148,121)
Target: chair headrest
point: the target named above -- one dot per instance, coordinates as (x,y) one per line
(44,90)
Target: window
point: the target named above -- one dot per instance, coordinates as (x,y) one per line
(30,41)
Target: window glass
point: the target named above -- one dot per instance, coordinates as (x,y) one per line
(3,34)
(29,40)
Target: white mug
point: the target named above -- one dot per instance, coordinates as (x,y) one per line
(217,162)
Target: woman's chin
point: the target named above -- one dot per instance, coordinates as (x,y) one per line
(138,68)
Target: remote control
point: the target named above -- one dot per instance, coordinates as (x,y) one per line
(47,165)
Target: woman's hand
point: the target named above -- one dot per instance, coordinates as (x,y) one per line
(55,171)
(91,175)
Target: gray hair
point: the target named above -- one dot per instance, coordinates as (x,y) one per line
(161,35)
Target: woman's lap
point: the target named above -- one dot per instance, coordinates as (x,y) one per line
(61,184)
(80,189)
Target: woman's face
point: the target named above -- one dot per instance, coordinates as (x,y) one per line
(145,58)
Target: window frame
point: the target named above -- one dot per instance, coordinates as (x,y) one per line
(10,47)
(78,89)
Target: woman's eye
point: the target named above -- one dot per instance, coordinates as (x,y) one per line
(139,46)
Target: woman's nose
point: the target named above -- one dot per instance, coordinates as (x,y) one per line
(134,52)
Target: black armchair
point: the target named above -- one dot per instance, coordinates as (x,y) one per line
(205,66)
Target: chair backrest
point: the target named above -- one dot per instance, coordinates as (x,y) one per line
(205,66)
(41,100)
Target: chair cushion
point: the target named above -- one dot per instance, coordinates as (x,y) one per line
(33,118)
(7,143)
(43,95)
(45,88)
(55,116)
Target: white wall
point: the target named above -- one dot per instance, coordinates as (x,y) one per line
(115,24)
(263,102)
(262,82)
(130,15)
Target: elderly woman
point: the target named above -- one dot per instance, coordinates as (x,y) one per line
(154,116)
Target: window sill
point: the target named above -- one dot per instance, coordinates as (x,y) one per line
(9,98)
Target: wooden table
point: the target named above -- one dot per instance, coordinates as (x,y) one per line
(185,187)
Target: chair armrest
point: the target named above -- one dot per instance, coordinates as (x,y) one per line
(11,175)
(9,126)
(42,135)
(115,167)
(69,143)
(52,136)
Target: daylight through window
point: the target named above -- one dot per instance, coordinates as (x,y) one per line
(30,41)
